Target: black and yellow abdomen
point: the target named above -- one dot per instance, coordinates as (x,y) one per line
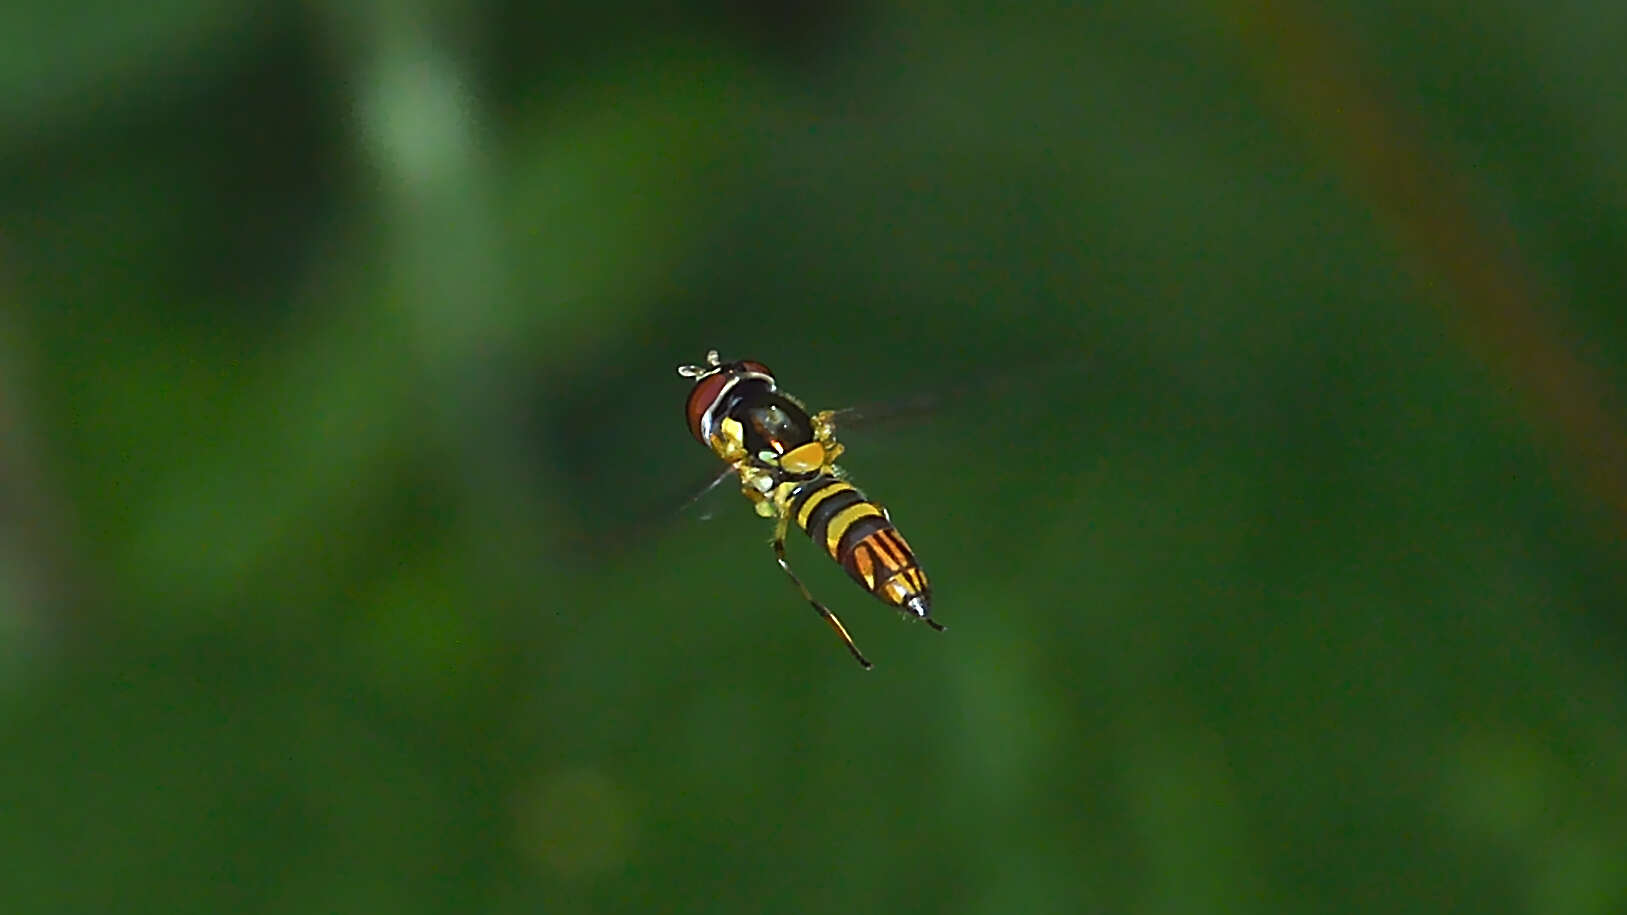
(858,535)
(785,460)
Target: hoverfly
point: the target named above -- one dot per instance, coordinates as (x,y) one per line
(786,463)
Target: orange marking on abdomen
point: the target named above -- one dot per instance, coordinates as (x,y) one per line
(890,542)
(883,563)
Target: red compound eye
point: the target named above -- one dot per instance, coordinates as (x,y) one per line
(756,367)
(701,397)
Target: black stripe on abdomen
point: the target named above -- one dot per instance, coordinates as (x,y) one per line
(856,532)
(829,496)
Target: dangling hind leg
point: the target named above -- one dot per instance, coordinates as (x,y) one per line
(780,528)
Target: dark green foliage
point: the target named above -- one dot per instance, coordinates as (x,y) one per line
(341,452)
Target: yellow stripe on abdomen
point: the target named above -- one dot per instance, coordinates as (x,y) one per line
(805,513)
(844,520)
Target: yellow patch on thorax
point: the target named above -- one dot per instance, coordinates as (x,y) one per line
(803,458)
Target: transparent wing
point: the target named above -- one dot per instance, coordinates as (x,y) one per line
(701,495)
(922,405)
(620,508)
(607,533)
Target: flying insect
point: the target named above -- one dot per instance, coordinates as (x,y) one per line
(785,461)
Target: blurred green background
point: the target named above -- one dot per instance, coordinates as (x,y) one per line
(1276,508)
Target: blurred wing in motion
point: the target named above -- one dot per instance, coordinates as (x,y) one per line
(922,405)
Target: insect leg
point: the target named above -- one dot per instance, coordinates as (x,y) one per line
(821,609)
